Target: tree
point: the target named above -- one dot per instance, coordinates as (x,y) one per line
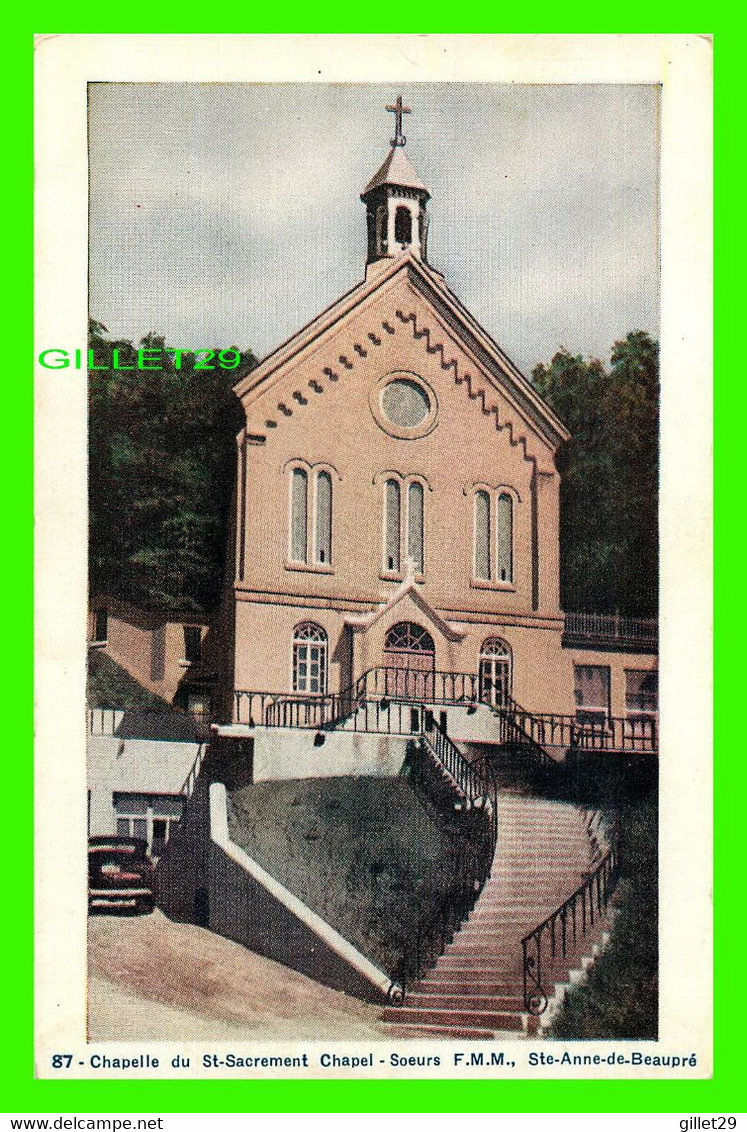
(609,476)
(161,473)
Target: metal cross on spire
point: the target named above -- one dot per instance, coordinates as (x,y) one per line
(398,110)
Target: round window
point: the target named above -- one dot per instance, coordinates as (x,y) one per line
(405,403)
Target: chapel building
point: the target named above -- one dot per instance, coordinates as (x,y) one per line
(397,501)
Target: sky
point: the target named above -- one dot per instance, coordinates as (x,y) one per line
(230,214)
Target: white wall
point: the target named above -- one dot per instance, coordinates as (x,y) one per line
(285,753)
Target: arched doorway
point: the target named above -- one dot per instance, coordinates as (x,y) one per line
(409,660)
(495,672)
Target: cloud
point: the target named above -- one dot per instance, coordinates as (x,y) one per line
(230,213)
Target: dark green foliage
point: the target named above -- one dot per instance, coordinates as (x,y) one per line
(361,852)
(609,476)
(161,470)
(619,1000)
(110,686)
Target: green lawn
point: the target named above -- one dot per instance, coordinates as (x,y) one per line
(364,853)
(619,999)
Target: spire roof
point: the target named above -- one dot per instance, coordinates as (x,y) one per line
(396,170)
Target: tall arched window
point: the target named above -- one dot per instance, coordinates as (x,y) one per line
(309,659)
(415,525)
(495,672)
(299,515)
(403,225)
(323,533)
(311,517)
(504,538)
(482,535)
(404,507)
(381,235)
(392,525)
(494,536)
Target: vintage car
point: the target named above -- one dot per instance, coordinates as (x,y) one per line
(120,874)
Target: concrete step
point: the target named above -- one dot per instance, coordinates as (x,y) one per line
(415,1031)
(464,1019)
(484,1003)
(452,983)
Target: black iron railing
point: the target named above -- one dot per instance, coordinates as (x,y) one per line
(371,717)
(611,631)
(466,779)
(378,702)
(605,733)
(148,723)
(428,687)
(558,938)
(517,737)
(473,796)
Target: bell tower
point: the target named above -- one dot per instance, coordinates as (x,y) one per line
(395,200)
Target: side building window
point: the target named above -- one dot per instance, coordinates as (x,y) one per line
(641,693)
(148,816)
(100,627)
(310,659)
(494,537)
(311,515)
(193,644)
(592,690)
(404,506)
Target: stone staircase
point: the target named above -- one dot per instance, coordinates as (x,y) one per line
(545,850)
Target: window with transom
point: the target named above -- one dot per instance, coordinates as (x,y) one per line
(309,659)
(495,672)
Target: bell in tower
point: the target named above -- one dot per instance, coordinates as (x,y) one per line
(395,200)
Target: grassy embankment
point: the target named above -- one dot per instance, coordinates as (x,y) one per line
(364,853)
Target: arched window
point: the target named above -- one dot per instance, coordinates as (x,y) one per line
(403,225)
(415,525)
(381,236)
(309,659)
(404,506)
(504,538)
(482,535)
(494,536)
(495,672)
(299,515)
(406,636)
(392,527)
(323,533)
(311,515)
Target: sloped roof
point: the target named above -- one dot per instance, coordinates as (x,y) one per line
(396,170)
(430,284)
(362,622)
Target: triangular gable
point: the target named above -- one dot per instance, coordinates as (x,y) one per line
(453,318)
(362,622)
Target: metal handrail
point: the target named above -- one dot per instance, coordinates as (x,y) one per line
(476,801)
(612,628)
(564,929)
(612,733)
(538,730)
